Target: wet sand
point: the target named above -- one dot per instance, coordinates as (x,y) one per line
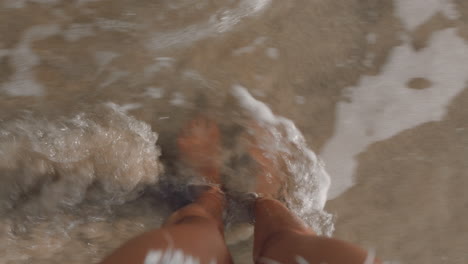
(161,61)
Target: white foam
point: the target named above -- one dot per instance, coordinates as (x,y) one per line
(23,60)
(83,2)
(114,76)
(125,108)
(370,258)
(178,99)
(414,13)
(14,3)
(115,25)
(159,64)
(272,53)
(22,3)
(45,1)
(243,50)
(305,172)
(154,92)
(382,106)
(103,58)
(229,18)
(250,48)
(259,110)
(103,145)
(77,31)
(220,22)
(196,76)
(300,99)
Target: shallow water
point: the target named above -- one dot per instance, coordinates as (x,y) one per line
(94,92)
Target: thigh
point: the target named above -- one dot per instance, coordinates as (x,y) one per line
(185,243)
(294,247)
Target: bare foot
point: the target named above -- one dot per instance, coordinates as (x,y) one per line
(268,177)
(199,146)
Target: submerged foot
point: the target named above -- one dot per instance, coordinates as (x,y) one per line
(268,178)
(199,147)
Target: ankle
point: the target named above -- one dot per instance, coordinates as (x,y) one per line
(274,214)
(213,200)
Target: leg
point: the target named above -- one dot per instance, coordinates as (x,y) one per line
(281,237)
(195,230)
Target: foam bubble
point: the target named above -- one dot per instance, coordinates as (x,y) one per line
(114,76)
(115,25)
(103,58)
(382,106)
(272,53)
(300,99)
(220,22)
(78,31)
(103,155)
(154,92)
(414,13)
(178,99)
(22,3)
(307,181)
